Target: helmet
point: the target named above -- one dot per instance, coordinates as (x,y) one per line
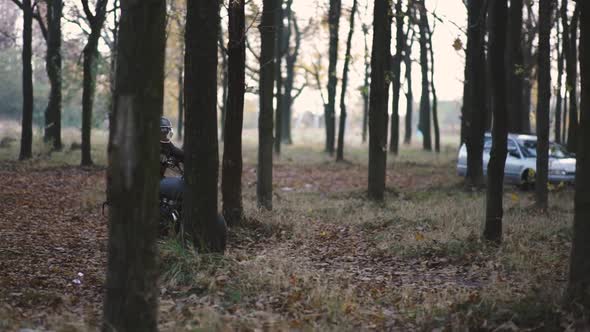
(166,131)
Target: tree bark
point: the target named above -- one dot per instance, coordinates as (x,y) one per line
(365,89)
(543,103)
(224,82)
(342,127)
(494,210)
(26,140)
(529,63)
(424,124)
(400,42)
(434,95)
(90,56)
(409,94)
(279,50)
(291,60)
(475,98)
(113,65)
(53,68)
(564,119)
(488,90)
(330,113)
(200,139)
(180,80)
(560,66)
(231,176)
(572,81)
(466,106)
(132,178)
(380,60)
(515,72)
(579,276)
(265,118)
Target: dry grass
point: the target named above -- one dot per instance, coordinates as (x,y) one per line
(326,258)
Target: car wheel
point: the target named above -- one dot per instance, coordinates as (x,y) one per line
(527,180)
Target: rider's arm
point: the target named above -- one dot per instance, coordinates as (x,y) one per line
(176,152)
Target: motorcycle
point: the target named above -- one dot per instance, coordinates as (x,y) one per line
(171,196)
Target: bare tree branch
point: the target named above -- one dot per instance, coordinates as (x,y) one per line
(87,11)
(256,56)
(36,16)
(19,4)
(42,26)
(299,90)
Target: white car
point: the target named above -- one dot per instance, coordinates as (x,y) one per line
(521,161)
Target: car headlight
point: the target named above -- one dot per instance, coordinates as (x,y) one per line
(557,172)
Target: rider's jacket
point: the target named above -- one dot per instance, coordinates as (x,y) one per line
(168,150)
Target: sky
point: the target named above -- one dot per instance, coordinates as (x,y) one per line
(449,63)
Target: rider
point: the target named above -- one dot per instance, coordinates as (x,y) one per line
(167,148)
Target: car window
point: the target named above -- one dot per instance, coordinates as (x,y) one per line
(512,145)
(488,145)
(558,151)
(529,149)
(513,149)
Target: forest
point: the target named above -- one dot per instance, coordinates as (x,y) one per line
(330,165)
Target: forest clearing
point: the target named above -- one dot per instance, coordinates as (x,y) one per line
(325,258)
(294,165)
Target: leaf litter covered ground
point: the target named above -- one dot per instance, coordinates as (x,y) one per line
(325,258)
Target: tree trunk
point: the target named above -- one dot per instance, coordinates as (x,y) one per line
(543,103)
(528,68)
(180,80)
(291,60)
(475,98)
(424,124)
(572,82)
(90,55)
(579,277)
(330,116)
(380,60)
(224,84)
(400,42)
(131,298)
(466,106)
(265,117)
(53,67)
(494,210)
(279,50)
(409,94)
(113,65)
(434,96)
(564,119)
(231,176)
(26,140)
(365,89)
(488,89)
(559,96)
(200,139)
(340,150)
(514,70)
